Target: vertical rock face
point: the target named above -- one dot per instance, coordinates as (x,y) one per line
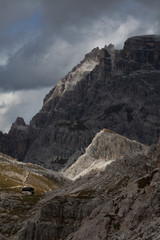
(144,49)
(60,125)
(113,89)
(16,142)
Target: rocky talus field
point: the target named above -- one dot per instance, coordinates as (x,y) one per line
(120,201)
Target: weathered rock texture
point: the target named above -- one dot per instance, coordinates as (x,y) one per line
(113,89)
(15,207)
(120,203)
(105,148)
(15,143)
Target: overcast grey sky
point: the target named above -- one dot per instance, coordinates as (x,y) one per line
(41,40)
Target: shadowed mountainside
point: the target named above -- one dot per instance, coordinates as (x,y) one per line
(113,89)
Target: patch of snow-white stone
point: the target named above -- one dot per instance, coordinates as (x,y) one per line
(95,166)
(74,77)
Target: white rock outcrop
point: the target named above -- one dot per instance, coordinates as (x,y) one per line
(105,148)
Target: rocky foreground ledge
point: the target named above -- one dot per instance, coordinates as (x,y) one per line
(120,201)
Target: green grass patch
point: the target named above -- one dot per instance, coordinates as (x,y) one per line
(8,183)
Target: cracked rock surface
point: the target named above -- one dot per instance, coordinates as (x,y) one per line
(120,202)
(113,89)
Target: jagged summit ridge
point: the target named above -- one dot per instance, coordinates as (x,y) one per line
(105,148)
(19,124)
(76,75)
(73,78)
(119,91)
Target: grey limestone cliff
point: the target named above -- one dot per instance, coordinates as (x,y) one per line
(113,89)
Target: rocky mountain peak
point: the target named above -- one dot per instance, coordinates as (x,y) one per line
(106,147)
(93,55)
(115,194)
(20,121)
(143,42)
(16,141)
(77,74)
(19,124)
(144,49)
(110,48)
(112,89)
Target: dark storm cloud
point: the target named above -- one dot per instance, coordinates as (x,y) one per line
(14,15)
(42,39)
(153,3)
(12,11)
(62,13)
